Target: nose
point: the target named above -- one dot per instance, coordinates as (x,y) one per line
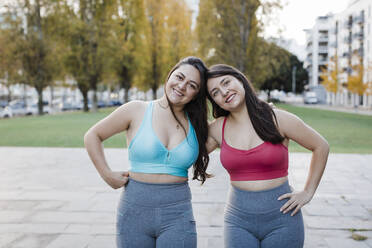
(224,92)
(182,85)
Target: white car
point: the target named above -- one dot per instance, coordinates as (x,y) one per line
(5,112)
(310,98)
(33,109)
(17,107)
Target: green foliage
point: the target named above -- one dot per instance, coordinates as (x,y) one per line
(355,83)
(10,63)
(279,64)
(227,32)
(330,74)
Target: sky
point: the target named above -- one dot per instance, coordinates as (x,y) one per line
(296,16)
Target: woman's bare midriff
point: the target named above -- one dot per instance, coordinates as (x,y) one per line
(156,178)
(259,185)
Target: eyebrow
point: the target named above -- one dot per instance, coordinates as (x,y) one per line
(192,81)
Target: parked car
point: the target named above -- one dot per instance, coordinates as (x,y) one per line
(3,104)
(310,97)
(17,107)
(5,112)
(33,109)
(113,103)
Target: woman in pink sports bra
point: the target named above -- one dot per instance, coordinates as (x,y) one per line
(262,211)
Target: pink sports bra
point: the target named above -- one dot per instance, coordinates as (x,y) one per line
(263,162)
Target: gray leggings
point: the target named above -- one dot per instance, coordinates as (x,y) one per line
(253,219)
(155,215)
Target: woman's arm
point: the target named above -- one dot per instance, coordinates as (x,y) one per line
(118,121)
(214,135)
(295,129)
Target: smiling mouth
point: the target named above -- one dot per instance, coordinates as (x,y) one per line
(178,93)
(229,99)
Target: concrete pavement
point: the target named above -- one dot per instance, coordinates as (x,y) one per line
(54,198)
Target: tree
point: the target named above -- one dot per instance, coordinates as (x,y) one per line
(279,64)
(228,32)
(178,31)
(10,63)
(167,39)
(156,67)
(89,29)
(329,76)
(127,45)
(369,80)
(355,82)
(35,46)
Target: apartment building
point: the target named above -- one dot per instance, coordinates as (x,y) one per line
(346,39)
(317,47)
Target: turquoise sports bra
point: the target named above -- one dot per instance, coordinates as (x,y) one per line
(148,155)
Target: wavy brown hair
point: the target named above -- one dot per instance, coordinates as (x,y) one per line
(261,114)
(196,110)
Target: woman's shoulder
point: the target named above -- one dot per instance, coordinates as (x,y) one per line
(215,126)
(286,120)
(133,108)
(217,122)
(135,105)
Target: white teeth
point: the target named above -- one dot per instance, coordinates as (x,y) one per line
(230,98)
(177,92)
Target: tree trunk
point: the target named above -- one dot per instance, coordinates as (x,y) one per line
(85,99)
(94,103)
(9,96)
(126,94)
(51,96)
(40,101)
(154,93)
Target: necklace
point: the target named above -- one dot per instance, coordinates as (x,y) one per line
(162,106)
(177,126)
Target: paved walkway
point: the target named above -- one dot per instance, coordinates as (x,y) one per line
(53,198)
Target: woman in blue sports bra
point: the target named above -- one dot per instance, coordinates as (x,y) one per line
(166,137)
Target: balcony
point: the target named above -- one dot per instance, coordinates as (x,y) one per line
(323,49)
(359,35)
(323,38)
(359,18)
(360,51)
(323,62)
(348,24)
(347,39)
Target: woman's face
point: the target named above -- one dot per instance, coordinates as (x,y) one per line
(227,91)
(183,85)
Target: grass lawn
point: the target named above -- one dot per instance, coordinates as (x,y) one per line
(60,130)
(346,133)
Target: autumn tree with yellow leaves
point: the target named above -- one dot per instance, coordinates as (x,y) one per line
(355,83)
(329,76)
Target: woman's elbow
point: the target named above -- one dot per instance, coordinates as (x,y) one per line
(324,147)
(87,137)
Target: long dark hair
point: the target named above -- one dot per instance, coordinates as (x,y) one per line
(261,114)
(196,110)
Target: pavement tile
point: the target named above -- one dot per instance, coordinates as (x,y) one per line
(70,240)
(47,203)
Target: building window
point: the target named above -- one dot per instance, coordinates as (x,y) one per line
(369,11)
